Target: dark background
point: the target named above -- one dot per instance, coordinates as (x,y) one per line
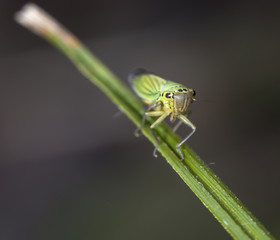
(71,167)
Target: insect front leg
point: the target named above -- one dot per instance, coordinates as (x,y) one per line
(162,115)
(189,123)
(137,132)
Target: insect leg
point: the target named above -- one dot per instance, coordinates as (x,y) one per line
(189,123)
(180,122)
(162,115)
(155,136)
(177,126)
(137,132)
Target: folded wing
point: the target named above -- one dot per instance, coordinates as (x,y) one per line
(147,85)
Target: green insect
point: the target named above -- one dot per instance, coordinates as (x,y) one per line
(164,98)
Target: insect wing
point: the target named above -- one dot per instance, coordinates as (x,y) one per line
(146,85)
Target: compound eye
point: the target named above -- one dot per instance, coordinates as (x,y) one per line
(193,93)
(168,95)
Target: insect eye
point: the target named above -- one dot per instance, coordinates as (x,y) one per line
(167,95)
(180,90)
(185,89)
(193,93)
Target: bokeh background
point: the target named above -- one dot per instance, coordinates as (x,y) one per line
(71,167)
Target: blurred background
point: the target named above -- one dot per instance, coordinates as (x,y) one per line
(71,167)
